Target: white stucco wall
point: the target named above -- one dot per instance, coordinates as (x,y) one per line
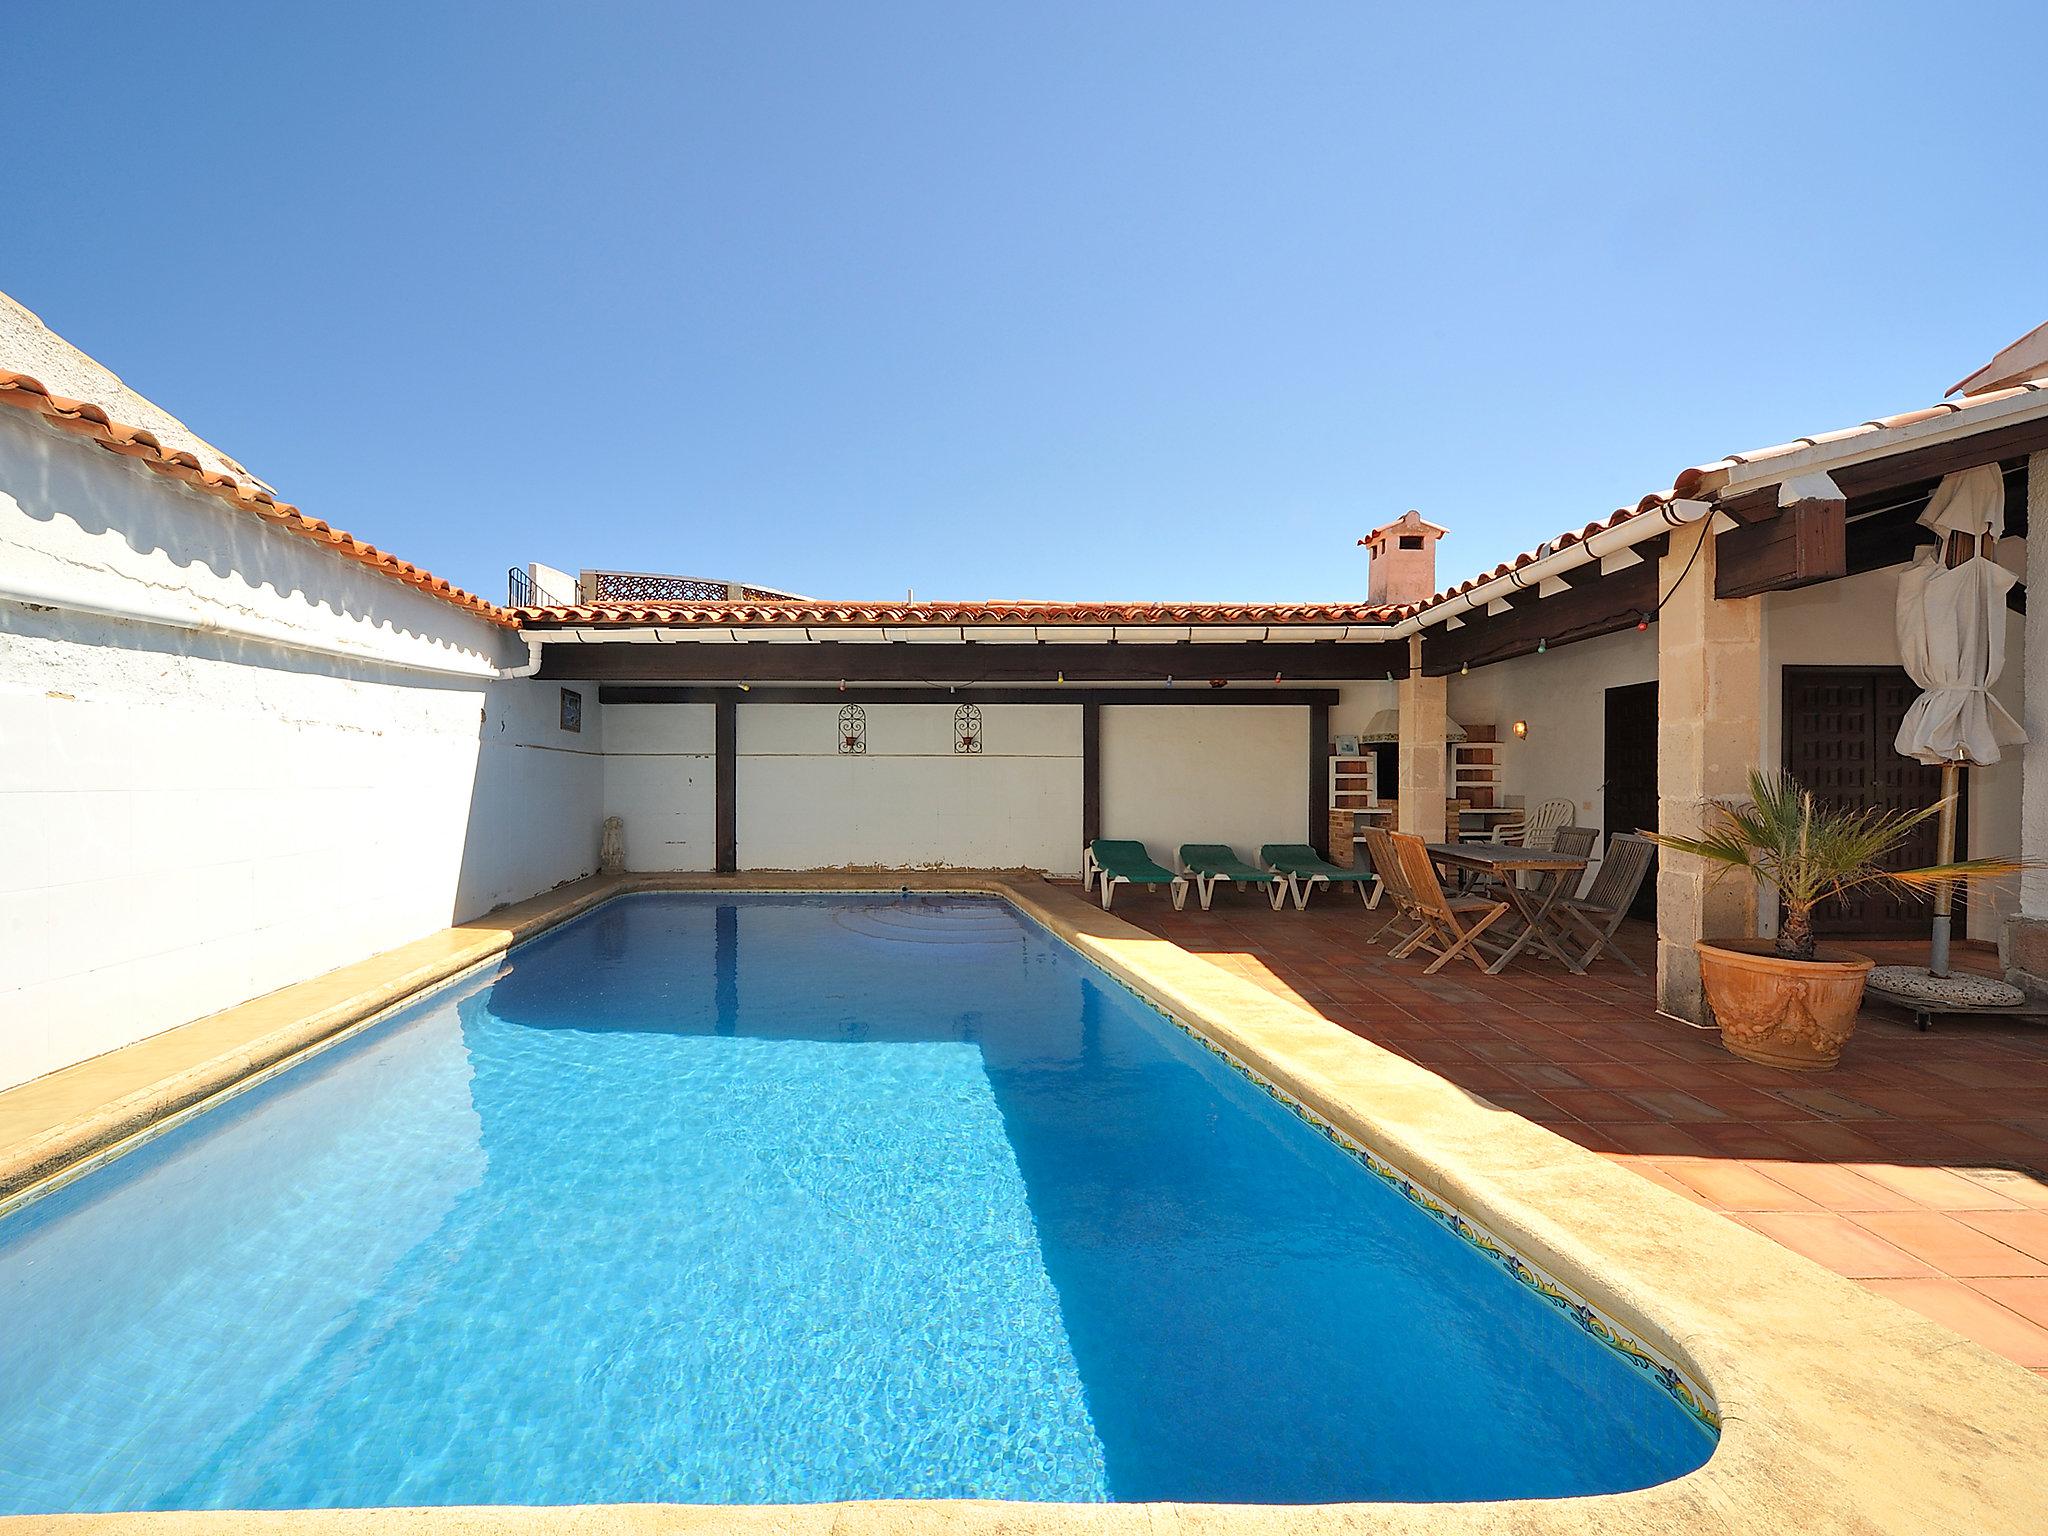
(658,779)
(909,800)
(1563,695)
(1220,773)
(189,819)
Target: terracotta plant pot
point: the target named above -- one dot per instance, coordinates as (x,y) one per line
(1783,1013)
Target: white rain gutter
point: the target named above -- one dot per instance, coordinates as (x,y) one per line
(1609,544)
(165,616)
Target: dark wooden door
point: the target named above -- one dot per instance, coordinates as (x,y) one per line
(1839,727)
(1629,795)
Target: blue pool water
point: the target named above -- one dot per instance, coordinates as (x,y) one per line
(704,1198)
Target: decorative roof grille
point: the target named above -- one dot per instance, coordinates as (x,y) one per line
(652,587)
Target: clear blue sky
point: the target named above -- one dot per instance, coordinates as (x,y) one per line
(1017,300)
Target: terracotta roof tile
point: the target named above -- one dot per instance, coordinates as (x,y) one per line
(854,615)
(91,421)
(1688,481)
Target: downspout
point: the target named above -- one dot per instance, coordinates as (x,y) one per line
(531,666)
(164,616)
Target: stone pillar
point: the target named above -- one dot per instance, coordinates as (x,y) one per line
(2026,935)
(1425,711)
(1709,734)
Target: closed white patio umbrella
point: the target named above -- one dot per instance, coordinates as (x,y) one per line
(1951,623)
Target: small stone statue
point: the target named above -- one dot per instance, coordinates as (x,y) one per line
(611,852)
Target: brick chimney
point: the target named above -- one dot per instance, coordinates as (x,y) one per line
(1403,560)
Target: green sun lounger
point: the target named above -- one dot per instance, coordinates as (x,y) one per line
(1304,869)
(1210,864)
(1118,862)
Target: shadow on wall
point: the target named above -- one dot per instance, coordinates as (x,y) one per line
(470,787)
(536,800)
(80,494)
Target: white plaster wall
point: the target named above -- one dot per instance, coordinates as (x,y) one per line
(1563,695)
(1358,702)
(189,819)
(658,778)
(1844,623)
(1850,623)
(910,800)
(1220,773)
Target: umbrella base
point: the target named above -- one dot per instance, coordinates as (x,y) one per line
(1924,995)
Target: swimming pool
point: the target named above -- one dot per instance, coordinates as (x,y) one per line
(782,1198)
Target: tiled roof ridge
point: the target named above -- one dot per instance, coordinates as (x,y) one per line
(92,421)
(1689,480)
(84,418)
(828,614)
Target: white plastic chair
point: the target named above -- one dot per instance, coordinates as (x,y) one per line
(1544,821)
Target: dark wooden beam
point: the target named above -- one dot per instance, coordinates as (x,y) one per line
(1884,526)
(725,787)
(1091,773)
(702,693)
(1757,506)
(1598,605)
(2014,441)
(1319,779)
(1803,544)
(1187,663)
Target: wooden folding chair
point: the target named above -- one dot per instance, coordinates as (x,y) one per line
(1598,914)
(1386,863)
(1451,925)
(1574,843)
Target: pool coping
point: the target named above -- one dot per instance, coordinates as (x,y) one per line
(1840,1411)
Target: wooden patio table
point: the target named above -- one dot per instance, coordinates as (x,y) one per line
(1506,862)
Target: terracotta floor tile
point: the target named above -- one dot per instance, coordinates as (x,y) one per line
(1742,1103)
(1945,1243)
(1831,1139)
(1935,1188)
(1972,1314)
(1840,1244)
(1903,1103)
(2026,1295)
(1530,1106)
(2025,1230)
(1544,1076)
(2026,1188)
(1735,1186)
(1747,1141)
(1617,1074)
(2013,1143)
(1832,1104)
(1641,1053)
(1836,1188)
(1653,1138)
(1679,1108)
(1656,1173)
(1593,1105)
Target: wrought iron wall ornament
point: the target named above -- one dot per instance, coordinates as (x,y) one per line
(853,730)
(967,730)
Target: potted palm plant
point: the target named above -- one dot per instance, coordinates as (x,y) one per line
(1789,1002)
